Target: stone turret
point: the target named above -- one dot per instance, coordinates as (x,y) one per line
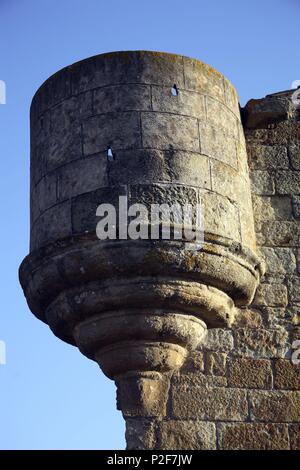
(157,128)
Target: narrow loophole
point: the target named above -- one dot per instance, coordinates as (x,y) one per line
(174,90)
(110,155)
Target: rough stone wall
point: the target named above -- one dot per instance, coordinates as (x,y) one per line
(241,390)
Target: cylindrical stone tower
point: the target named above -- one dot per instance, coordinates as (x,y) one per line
(157,128)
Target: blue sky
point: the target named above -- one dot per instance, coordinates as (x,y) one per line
(50,395)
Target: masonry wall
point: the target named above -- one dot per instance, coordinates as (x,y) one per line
(241,390)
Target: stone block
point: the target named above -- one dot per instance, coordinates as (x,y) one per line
(209,403)
(271,295)
(256,436)
(122,98)
(54,90)
(222,117)
(278,260)
(82,176)
(218,339)
(288,182)
(115,130)
(62,146)
(186,435)
(84,207)
(294,152)
(203,78)
(186,103)
(53,224)
(275,406)
(193,363)
(198,379)
(262,182)
(248,318)
(170,132)
(287,375)
(281,233)
(295,436)
(247,372)
(221,216)
(142,394)
(216,363)
(218,144)
(261,343)
(266,157)
(70,111)
(296,206)
(127,67)
(140,434)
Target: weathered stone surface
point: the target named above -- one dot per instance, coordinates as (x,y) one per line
(262,183)
(203,78)
(293,284)
(209,403)
(271,208)
(216,363)
(218,339)
(221,216)
(122,98)
(85,205)
(194,362)
(265,111)
(275,406)
(187,103)
(264,157)
(247,372)
(115,130)
(143,394)
(294,152)
(221,117)
(248,318)
(278,260)
(82,176)
(271,295)
(288,182)
(258,436)
(53,224)
(198,379)
(296,206)
(295,436)
(113,69)
(170,132)
(185,435)
(281,233)
(287,375)
(140,434)
(218,144)
(261,342)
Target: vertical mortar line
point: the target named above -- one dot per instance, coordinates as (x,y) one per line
(210,172)
(218,435)
(151,99)
(289,433)
(81,139)
(93,107)
(141,128)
